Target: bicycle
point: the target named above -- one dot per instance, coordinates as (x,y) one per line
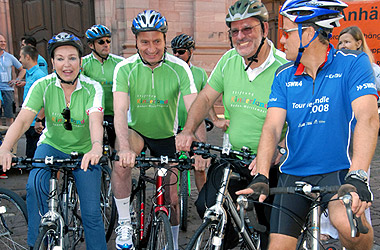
(107,202)
(210,235)
(310,234)
(13,221)
(61,227)
(184,186)
(153,232)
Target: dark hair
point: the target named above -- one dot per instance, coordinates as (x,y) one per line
(30,51)
(29,40)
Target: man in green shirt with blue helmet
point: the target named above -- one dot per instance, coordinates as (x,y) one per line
(148,84)
(244,76)
(100,65)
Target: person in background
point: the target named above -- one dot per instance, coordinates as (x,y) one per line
(74,114)
(7,61)
(28,59)
(41,62)
(100,65)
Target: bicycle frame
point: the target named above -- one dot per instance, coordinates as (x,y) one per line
(217,211)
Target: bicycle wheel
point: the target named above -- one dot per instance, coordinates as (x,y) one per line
(107,202)
(13,221)
(161,235)
(74,235)
(202,238)
(48,238)
(183,199)
(136,211)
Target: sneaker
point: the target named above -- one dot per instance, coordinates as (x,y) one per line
(124,236)
(3,176)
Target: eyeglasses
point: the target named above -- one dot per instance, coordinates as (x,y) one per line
(285,33)
(179,51)
(101,42)
(66,115)
(246,31)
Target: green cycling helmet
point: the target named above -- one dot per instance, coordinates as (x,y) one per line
(243,9)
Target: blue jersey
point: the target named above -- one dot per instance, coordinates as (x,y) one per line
(319,112)
(42,64)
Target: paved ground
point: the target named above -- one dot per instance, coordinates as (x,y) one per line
(17,183)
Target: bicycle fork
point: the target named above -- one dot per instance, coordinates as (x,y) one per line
(218,211)
(52,216)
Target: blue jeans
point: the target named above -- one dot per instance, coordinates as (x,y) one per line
(88,188)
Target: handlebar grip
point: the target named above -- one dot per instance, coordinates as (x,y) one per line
(361,228)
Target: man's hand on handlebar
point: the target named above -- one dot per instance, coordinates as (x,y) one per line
(127,158)
(259,188)
(201,164)
(184,139)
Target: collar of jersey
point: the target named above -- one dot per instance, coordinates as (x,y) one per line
(32,70)
(301,68)
(93,57)
(58,82)
(253,73)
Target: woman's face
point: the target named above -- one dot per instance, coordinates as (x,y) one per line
(347,41)
(66,62)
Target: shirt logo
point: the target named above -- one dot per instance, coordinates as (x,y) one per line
(332,76)
(294,84)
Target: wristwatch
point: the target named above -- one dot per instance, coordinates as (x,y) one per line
(358,174)
(282,150)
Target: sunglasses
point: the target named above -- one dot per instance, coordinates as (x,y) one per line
(179,51)
(285,33)
(246,31)
(66,115)
(101,42)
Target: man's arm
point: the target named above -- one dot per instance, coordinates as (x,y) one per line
(270,136)
(121,106)
(196,114)
(218,122)
(364,145)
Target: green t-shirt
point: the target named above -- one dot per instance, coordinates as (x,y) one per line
(154,94)
(87,98)
(200,80)
(245,100)
(102,73)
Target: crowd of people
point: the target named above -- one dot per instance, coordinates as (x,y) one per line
(309,114)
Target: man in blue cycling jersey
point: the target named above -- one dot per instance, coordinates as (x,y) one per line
(327,97)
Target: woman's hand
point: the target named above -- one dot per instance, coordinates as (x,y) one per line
(93,156)
(6,159)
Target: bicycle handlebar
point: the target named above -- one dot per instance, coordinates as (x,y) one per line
(184,163)
(202,148)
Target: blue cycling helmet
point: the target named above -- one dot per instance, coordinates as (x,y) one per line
(62,39)
(97,31)
(149,20)
(323,13)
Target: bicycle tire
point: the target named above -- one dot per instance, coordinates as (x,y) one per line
(13,222)
(107,202)
(202,238)
(183,199)
(48,238)
(135,211)
(75,232)
(161,235)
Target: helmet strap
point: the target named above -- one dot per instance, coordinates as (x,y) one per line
(302,48)
(67,82)
(103,58)
(254,57)
(148,63)
(188,60)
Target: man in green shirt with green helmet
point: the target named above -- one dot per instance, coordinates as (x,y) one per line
(148,84)
(100,65)
(244,76)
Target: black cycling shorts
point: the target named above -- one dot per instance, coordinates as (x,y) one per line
(289,214)
(158,147)
(111,135)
